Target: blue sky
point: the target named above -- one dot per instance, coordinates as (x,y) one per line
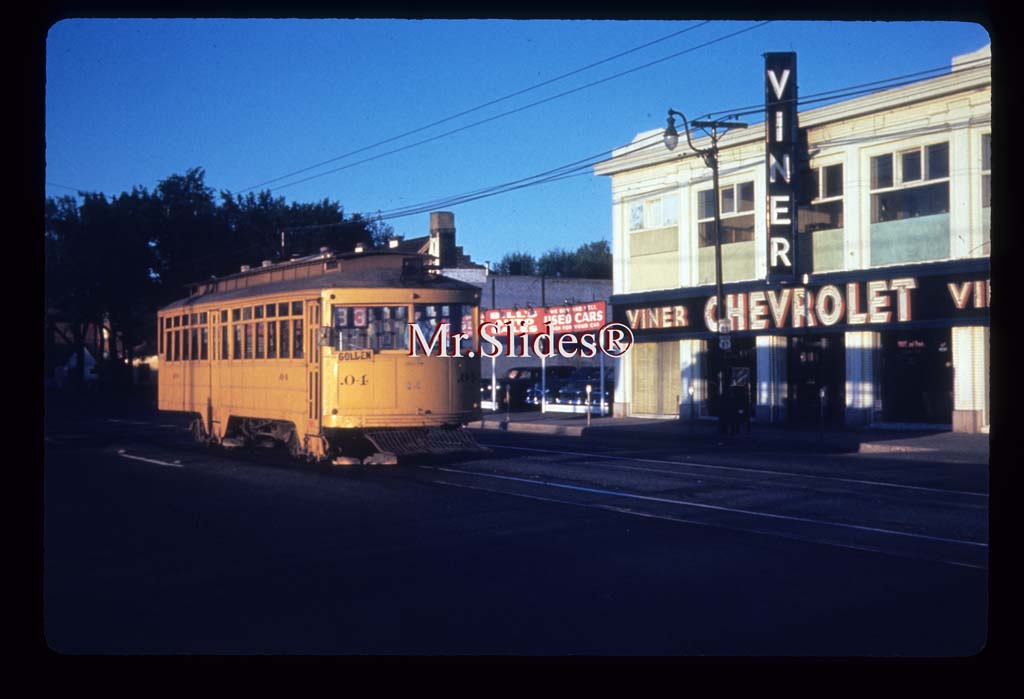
(129,102)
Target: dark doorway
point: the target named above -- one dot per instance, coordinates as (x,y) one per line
(917,376)
(743,370)
(817,380)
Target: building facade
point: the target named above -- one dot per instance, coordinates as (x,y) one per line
(885,320)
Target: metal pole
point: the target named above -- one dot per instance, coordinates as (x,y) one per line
(601,394)
(543,385)
(494,387)
(588,404)
(723,420)
(821,413)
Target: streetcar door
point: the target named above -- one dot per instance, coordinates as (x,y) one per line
(312,354)
(218,332)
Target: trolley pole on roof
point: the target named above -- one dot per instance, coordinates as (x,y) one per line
(710,158)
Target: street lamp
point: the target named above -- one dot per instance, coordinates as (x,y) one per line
(710,158)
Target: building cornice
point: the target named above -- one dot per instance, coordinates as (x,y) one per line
(639,154)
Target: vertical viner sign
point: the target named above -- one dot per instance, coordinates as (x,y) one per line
(781,136)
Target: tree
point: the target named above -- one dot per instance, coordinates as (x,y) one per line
(517,263)
(556,263)
(110,264)
(588,261)
(593,261)
(380,231)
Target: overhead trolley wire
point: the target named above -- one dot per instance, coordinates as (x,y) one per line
(853,90)
(564,172)
(573,169)
(528,106)
(480,106)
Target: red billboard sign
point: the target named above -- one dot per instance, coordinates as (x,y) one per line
(578,318)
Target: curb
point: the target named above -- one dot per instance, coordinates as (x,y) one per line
(501,426)
(878,448)
(773,442)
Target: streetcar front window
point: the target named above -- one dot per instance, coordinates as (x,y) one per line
(371,327)
(458,317)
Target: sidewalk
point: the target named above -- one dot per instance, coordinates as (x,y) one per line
(939,445)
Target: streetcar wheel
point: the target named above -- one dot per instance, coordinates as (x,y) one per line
(294,445)
(198,431)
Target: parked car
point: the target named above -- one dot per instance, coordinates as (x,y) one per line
(574,391)
(556,378)
(516,383)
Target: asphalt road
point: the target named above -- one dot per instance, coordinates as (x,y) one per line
(544,546)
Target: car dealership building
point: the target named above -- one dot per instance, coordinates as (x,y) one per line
(855,259)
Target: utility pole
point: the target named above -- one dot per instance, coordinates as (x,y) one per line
(710,158)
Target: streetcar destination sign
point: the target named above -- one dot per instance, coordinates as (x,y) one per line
(350,355)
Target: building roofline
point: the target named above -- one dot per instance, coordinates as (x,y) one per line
(961,78)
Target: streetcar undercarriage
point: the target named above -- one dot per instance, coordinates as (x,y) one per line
(343,446)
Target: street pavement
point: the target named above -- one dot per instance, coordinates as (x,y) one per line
(544,545)
(912,442)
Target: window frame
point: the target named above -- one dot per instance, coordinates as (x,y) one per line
(650,204)
(820,196)
(723,215)
(897,167)
(896,153)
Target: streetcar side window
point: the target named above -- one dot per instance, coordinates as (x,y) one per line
(282,309)
(247,313)
(248,340)
(167,345)
(260,336)
(195,343)
(177,345)
(238,341)
(271,310)
(203,342)
(286,341)
(296,308)
(297,333)
(271,336)
(224,341)
(458,316)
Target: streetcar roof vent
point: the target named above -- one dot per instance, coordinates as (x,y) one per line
(325,249)
(266,263)
(245,268)
(359,247)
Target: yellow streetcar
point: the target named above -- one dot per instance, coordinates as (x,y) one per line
(314,353)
